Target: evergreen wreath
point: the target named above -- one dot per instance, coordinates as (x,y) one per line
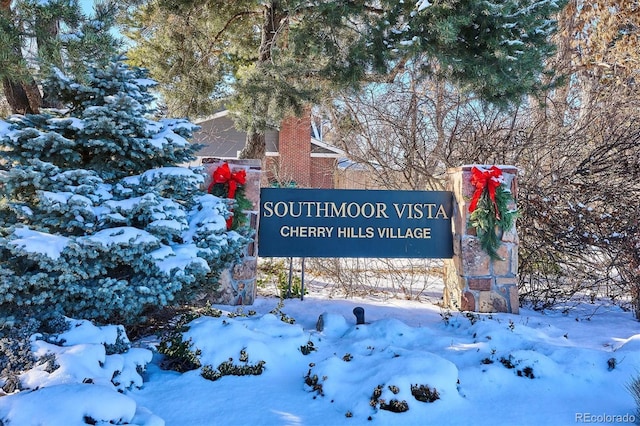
(489,208)
(228,184)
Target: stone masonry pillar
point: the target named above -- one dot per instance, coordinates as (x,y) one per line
(237,284)
(474,281)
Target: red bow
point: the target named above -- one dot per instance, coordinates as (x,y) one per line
(489,179)
(223,175)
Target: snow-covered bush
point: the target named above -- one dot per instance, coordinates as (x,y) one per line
(77,373)
(97,220)
(15,354)
(86,353)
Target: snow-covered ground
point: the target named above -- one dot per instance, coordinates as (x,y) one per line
(535,368)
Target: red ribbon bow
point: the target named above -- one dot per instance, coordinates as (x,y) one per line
(224,175)
(489,179)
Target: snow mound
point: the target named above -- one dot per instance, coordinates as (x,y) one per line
(81,379)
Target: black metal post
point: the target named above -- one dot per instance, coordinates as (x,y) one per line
(290,277)
(302,281)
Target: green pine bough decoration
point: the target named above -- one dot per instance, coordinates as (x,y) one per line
(490,214)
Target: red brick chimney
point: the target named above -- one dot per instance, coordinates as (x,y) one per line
(295,149)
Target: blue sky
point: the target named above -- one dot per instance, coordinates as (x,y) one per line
(87,5)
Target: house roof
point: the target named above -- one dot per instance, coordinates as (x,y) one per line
(223,140)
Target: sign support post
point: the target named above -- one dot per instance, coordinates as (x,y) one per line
(302,281)
(290,277)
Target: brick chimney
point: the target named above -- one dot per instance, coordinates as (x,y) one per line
(295,149)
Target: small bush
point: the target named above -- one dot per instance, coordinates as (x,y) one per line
(308,348)
(179,355)
(228,368)
(121,344)
(507,362)
(424,393)
(377,393)
(393,405)
(526,372)
(16,356)
(277,311)
(276,272)
(313,381)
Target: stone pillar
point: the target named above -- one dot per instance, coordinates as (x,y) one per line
(474,281)
(237,284)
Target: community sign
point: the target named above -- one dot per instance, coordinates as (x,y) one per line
(355,223)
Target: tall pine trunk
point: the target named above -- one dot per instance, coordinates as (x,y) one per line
(22,93)
(49,50)
(255,146)
(23,97)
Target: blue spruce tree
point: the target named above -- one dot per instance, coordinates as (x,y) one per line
(97,220)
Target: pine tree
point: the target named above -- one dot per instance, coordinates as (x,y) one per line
(97,220)
(35,35)
(307,51)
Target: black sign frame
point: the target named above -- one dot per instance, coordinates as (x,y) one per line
(297,222)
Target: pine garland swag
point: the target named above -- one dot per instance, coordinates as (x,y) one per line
(242,203)
(490,215)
